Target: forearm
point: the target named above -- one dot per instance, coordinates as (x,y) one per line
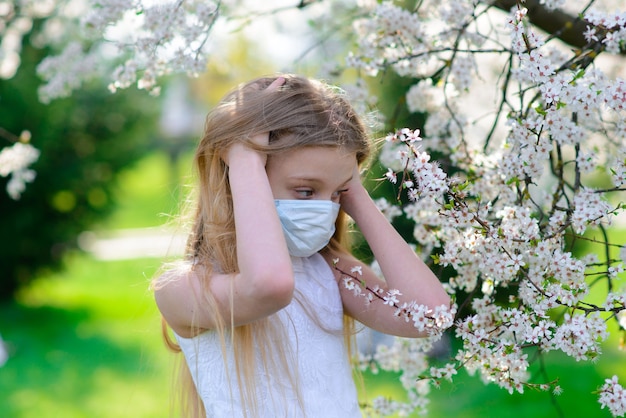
(261,247)
(401,267)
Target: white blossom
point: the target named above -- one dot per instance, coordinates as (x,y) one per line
(14,162)
(424,97)
(589,209)
(4,355)
(149,40)
(613,397)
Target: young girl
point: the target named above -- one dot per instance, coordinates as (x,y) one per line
(259,308)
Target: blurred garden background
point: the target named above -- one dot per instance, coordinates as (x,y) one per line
(78,324)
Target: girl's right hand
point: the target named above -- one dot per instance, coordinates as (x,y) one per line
(241,149)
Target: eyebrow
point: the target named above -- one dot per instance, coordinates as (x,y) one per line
(316,179)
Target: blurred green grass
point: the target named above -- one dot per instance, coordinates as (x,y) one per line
(86,342)
(149,193)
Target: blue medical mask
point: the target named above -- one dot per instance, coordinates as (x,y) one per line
(308,225)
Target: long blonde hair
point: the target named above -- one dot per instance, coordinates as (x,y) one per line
(300,113)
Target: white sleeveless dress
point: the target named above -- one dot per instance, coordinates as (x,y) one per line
(320,362)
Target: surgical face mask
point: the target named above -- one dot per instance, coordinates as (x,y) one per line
(308,225)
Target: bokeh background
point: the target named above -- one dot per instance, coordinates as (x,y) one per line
(77,319)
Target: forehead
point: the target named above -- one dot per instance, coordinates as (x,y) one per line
(329,164)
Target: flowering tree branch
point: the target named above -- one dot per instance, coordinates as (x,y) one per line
(521,200)
(559,24)
(434,322)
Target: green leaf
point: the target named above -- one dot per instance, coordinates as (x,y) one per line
(541,110)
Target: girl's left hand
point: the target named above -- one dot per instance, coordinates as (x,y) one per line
(355,194)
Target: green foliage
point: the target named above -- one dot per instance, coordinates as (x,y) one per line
(84,141)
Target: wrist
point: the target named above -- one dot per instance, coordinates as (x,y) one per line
(356,202)
(240,155)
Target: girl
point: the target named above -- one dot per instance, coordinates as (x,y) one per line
(258,306)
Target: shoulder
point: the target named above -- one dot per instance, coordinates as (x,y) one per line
(173,277)
(176,293)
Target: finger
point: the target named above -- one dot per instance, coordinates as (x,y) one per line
(276,84)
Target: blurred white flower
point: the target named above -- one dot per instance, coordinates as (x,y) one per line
(14,161)
(4,354)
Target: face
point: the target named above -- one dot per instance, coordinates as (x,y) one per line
(320,173)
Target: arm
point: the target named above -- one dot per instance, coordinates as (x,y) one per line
(401,268)
(264,283)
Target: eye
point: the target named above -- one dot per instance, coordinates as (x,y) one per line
(338,193)
(304,193)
